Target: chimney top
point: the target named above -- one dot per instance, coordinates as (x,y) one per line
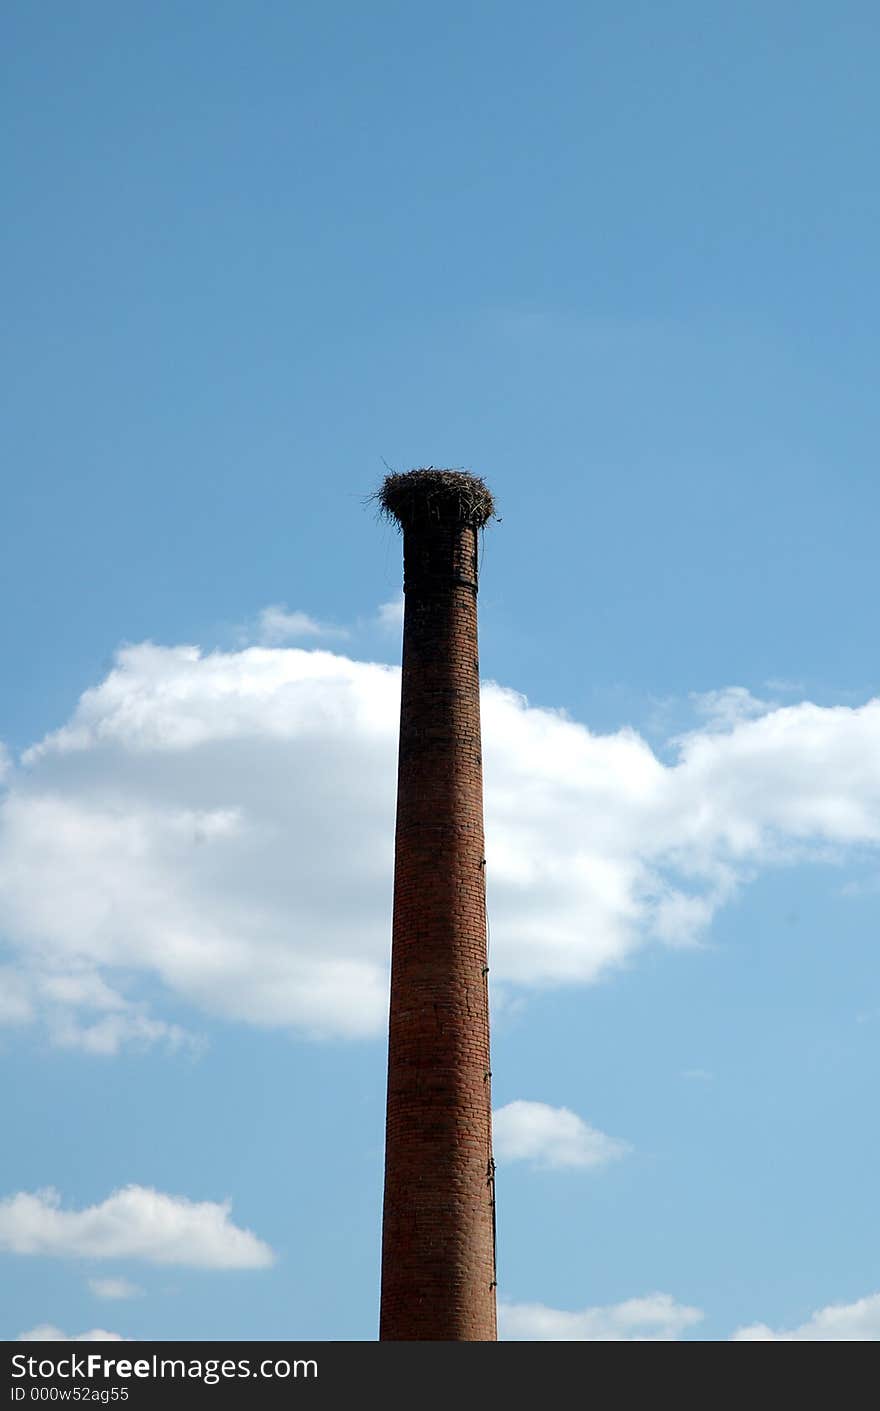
(444,496)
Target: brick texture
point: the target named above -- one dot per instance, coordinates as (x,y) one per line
(438,1243)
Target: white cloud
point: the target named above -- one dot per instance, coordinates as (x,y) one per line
(114,1288)
(840,1322)
(550,1137)
(728,707)
(656,1318)
(117,1031)
(223,824)
(47,1332)
(275,626)
(132,1223)
(390,615)
(82,1010)
(15,1005)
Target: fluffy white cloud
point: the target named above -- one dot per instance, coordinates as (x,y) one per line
(114,1288)
(656,1318)
(277,625)
(840,1322)
(132,1223)
(47,1332)
(223,824)
(550,1137)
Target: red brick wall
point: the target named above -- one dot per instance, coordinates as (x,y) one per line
(438,1274)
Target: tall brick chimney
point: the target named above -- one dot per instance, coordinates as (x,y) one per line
(438,1237)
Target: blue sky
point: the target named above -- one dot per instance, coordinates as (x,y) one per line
(619,259)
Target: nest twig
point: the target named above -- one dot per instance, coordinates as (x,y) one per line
(448,496)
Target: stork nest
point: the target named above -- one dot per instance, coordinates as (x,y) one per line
(446,496)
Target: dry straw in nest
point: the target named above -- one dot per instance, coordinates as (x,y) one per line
(449,496)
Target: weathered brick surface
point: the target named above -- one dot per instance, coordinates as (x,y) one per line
(438,1267)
